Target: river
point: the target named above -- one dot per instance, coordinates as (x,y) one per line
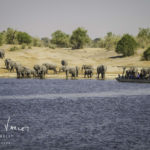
(60,114)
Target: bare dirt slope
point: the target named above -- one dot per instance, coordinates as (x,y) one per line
(93,56)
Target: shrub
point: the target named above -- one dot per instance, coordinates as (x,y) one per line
(29,47)
(126,46)
(23,46)
(36,42)
(14,48)
(79,38)
(52,46)
(146,54)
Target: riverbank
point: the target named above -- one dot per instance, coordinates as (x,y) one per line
(89,56)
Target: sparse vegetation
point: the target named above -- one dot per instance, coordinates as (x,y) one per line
(14,48)
(143,37)
(126,46)
(52,46)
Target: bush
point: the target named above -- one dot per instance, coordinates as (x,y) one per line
(52,46)
(36,42)
(29,47)
(126,46)
(79,38)
(146,54)
(23,46)
(14,48)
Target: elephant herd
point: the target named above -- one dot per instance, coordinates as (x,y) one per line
(39,71)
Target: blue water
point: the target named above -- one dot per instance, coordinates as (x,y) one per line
(74,115)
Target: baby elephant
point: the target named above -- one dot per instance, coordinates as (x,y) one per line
(88,73)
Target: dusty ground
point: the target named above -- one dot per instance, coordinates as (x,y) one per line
(93,56)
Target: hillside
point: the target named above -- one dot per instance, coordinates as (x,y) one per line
(93,56)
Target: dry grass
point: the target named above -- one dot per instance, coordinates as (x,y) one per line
(93,56)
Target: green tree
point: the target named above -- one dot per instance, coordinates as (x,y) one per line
(146,54)
(79,38)
(143,37)
(126,45)
(11,36)
(60,39)
(23,38)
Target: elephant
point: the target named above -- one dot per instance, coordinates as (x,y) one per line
(7,62)
(36,68)
(73,72)
(101,70)
(42,71)
(86,67)
(64,63)
(21,71)
(62,69)
(50,67)
(12,65)
(2,53)
(88,73)
(27,72)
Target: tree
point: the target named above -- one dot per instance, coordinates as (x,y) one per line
(23,38)
(110,41)
(60,39)
(79,38)
(11,36)
(126,46)
(143,37)
(1,39)
(146,54)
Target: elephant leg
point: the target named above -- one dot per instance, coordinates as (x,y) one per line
(66,75)
(102,75)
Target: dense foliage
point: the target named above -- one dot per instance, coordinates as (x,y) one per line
(79,38)
(126,46)
(23,37)
(146,54)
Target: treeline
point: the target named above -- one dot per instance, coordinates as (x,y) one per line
(125,44)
